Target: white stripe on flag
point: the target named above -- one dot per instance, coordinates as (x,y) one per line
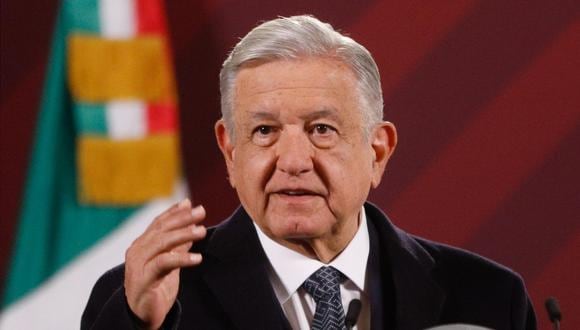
(126,119)
(60,301)
(118,18)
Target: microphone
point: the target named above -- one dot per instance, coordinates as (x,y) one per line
(352,313)
(554,313)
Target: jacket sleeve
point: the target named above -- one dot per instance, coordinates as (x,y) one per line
(107,307)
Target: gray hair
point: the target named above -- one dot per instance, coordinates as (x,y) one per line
(288,38)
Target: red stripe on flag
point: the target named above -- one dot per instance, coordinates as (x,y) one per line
(498,150)
(150,17)
(161,118)
(151,20)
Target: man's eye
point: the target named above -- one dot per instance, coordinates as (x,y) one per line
(265,135)
(264,130)
(322,129)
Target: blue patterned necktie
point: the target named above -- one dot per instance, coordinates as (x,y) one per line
(324,287)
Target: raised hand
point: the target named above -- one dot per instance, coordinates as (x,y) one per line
(153,261)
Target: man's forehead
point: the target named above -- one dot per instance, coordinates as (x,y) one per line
(310,71)
(294,61)
(324,112)
(304,89)
(315,78)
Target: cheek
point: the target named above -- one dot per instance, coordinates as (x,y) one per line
(348,175)
(346,163)
(253,168)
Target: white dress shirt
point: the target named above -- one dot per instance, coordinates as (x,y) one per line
(289,269)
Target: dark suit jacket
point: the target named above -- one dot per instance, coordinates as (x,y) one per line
(413,284)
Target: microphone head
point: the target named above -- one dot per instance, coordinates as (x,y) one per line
(352,313)
(553,309)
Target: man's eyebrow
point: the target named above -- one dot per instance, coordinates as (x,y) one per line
(323,113)
(261,115)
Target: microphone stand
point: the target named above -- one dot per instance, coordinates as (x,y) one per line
(352,313)
(554,313)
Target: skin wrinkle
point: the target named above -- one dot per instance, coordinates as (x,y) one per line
(331,167)
(268,90)
(324,113)
(366,124)
(330,206)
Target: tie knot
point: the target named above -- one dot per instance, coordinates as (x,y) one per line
(324,283)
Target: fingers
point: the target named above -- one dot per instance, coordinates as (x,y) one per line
(176,218)
(176,229)
(199,232)
(173,239)
(182,218)
(178,215)
(153,260)
(185,203)
(166,262)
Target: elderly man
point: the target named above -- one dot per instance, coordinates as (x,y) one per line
(304,141)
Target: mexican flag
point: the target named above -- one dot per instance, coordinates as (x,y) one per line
(105,159)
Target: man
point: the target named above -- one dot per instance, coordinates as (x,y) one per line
(304,141)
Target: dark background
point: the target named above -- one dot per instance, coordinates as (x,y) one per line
(485,95)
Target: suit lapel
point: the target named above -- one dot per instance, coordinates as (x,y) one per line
(236,273)
(380,287)
(418,297)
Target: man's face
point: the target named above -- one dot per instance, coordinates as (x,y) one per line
(300,162)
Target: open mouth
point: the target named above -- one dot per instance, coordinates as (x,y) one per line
(296,197)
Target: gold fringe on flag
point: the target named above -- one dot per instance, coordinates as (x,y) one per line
(105,69)
(127,172)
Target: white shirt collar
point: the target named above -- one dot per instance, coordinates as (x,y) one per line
(293,268)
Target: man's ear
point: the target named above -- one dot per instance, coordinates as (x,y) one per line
(383,142)
(226,145)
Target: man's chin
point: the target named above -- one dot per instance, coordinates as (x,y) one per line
(297,223)
(297,229)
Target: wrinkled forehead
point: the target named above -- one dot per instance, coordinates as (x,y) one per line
(284,74)
(292,92)
(296,60)
(307,73)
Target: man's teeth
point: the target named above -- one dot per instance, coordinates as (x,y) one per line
(295,193)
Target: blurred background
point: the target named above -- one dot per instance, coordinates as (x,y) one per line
(485,96)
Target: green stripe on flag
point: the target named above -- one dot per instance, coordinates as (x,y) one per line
(90,118)
(53,227)
(82,15)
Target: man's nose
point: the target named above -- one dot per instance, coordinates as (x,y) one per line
(294,151)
